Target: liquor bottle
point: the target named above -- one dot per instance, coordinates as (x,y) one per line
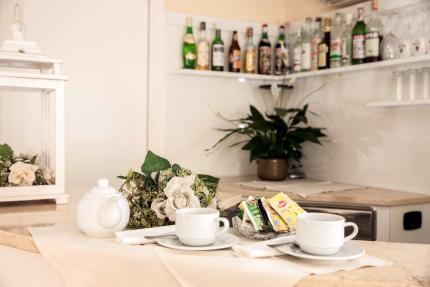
(218,55)
(189,49)
(202,49)
(306,46)
(316,40)
(346,41)
(373,37)
(287,59)
(358,38)
(265,53)
(324,46)
(250,54)
(234,59)
(281,54)
(297,52)
(336,42)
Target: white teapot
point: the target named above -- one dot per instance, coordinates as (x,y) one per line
(102,211)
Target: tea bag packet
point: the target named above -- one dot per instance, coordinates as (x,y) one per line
(253,213)
(277,223)
(286,208)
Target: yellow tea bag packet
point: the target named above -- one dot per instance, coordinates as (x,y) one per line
(287,208)
(278,224)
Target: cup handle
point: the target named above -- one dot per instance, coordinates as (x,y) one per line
(354,233)
(226,226)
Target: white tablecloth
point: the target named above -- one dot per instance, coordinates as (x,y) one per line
(84,261)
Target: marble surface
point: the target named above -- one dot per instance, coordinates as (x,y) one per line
(360,195)
(411,261)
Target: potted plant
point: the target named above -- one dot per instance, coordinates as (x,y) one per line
(274,139)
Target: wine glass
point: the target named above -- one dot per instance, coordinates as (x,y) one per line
(404,28)
(390,43)
(419,42)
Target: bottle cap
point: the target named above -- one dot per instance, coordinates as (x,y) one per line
(249,31)
(189,21)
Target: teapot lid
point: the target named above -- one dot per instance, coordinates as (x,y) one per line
(103,188)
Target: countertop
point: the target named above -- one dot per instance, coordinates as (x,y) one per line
(360,195)
(411,261)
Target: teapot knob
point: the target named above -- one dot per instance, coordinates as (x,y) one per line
(109,213)
(103,182)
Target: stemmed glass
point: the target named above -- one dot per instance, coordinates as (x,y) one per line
(390,43)
(419,43)
(404,36)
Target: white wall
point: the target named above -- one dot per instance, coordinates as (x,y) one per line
(374,147)
(104,48)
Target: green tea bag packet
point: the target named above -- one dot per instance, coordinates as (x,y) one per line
(253,212)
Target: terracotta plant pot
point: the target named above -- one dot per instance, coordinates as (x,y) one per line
(272,169)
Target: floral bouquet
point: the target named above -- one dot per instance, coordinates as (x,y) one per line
(22,170)
(155,193)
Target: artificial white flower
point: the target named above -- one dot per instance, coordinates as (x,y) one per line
(49,175)
(159,206)
(179,195)
(22,173)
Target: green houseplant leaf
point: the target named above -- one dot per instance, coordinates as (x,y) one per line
(154,163)
(6,152)
(274,136)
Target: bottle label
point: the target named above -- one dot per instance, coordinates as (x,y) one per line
(297,60)
(322,55)
(265,60)
(218,59)
(314,54)
(358,47)
(336,49)
(306,56)
(189,38)
(235,59)
(190,56)
(372,44)
(203,55)
(250,61)
(281,60)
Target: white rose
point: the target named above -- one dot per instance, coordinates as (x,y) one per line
(179,195)
(49,175)
(22,173)
(159,207)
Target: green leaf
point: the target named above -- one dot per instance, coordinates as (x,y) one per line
(6,152)
(176,168)
(154,163)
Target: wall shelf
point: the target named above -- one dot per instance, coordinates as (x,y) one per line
(340,70)
(394,103)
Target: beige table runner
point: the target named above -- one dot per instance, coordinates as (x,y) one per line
(84,261)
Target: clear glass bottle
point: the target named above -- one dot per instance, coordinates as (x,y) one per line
(346,45)
(373,36)
(297,52)
(250,53)
(316,40)
(218,53)
(336,42)
(288,47)
(189,49)
(306,46)
(265,53)
(202,49)
(280,68)
(358,38)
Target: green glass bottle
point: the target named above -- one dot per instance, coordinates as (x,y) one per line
(358,39)
(218,53)
(189,49)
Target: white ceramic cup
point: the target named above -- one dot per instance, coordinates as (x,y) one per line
(322,233)
(199,226)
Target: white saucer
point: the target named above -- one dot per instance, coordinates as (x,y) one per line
(347,252)
(223,241)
